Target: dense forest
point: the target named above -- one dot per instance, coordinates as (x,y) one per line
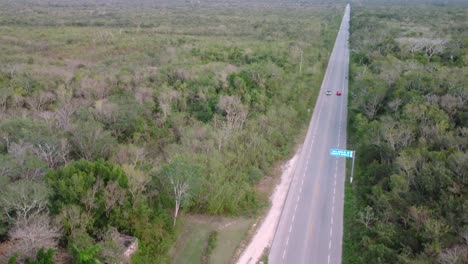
(408,122)
(113,121)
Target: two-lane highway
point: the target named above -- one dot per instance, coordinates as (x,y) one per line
(311,225)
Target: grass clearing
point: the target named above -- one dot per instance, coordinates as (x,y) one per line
(191,242)
(229,238)
(194,237)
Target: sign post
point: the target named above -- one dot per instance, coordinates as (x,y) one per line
(352,168)
(344,153)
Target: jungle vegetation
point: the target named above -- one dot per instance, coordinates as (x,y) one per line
(408,122)
(115,118)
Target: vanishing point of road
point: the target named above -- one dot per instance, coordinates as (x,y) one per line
(310,229)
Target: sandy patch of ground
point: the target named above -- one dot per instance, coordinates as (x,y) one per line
(266,230)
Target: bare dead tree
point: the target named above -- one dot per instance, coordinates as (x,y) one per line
(18,149)
(432,99)
(89,200)
(428,132)
(114,195)
(367,217)
(430,46)
(236,113)
(406,164)
(462,131)
(54,154)
(64,114)
(395,104)
(103,37)
(40,101)
(100,89)
(183,75)
(221,134)
(412,45)
(235,116)
(46,116)
(30,235)
(139,76)
(464,236)
(21,152)
(165,107)
(180,188)
(5,94)
(410,164)
(415,46)
(454,255)
(5,170)
(260,79)
(390,76)
(462,94)
(82,92)
(458,163)
(47,152)
(138,155)
(137,180)
(405,136)
(389,132)
(73,218)
(419,215)
(296,54)
(166,100)
(434,46)
(372,105)
(91,141)
(18,100)
(13,69)
(24,199)
(451,104)
(396,134)
(105,111)
(144,95)
(130,154)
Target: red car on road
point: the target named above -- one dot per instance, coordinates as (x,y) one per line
(338,93)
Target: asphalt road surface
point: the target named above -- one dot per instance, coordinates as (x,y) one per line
(311,226)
